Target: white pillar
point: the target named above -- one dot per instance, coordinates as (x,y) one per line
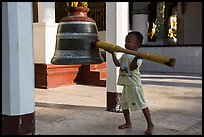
(117,27)
(46,12)
(18,65)
(140,19)
(45,33)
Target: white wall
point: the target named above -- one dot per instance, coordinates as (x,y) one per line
(102,35)
(44,41)
(188,59)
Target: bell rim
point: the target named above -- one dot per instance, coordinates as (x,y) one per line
(87,61)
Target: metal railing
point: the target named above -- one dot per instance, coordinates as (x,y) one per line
(98,13)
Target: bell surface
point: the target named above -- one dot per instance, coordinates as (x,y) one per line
(76,44)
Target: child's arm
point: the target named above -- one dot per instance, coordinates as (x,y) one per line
(115,60)
(133,64)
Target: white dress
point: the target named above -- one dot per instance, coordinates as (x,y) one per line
(132,94)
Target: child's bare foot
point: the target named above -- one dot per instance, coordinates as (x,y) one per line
(149,130)
(125,126)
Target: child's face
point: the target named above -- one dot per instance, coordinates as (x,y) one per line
(131,42)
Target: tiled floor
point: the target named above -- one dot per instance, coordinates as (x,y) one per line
(175,103)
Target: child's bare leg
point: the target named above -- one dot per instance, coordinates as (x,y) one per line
(128,123)
(150,125)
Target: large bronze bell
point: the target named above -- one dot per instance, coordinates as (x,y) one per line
(76,41)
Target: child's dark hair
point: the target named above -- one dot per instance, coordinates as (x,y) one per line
(138,35)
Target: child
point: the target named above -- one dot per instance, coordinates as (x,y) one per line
(129,78)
